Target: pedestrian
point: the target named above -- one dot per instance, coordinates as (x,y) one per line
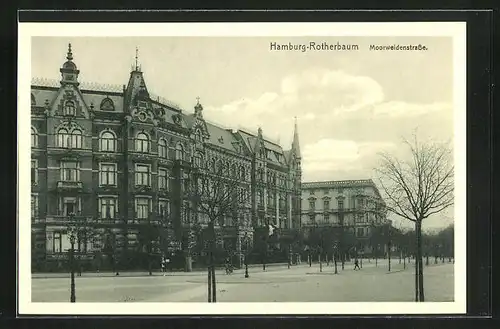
(356,264)
(229,270)
(163,265)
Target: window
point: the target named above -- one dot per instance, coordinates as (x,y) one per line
(108,142)
(197,160)
(186,182)
(142,208)
(69,206)
(142,143)
(312,218)
(234,172)
(63,138)
(260,197)
(326,218)
(186,212)
(326,204)
(312,204)
(360,231)
(107,174)
(69,108)
(164,208)
(34,205)
(57,242)
(70,171)
(162,148)
(341,204)
(179,152)
(76,139)
(198,136)
(282,202)
(142,175)
(34,171)
(34,138)
(243,174)
(107,207)
(162,179)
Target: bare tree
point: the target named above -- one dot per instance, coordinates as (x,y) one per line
(418,188)
(218,195)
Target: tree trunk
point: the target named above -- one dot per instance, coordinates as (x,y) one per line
(209,281)
(214,286)
(189,263)
(418,230)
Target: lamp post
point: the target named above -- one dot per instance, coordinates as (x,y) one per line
(246,254)
(335,250)
(389,245)
(289,255)
(72,234)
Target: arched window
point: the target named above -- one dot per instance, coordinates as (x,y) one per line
(107,142)
(198,136)
(69,108)
(213,165)
(34,137)
(142,143)
(76,139)
(198,160)
(243,174)
(234,172)
(63,138)
(162,148)
(179,152)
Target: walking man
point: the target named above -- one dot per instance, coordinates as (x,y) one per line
(356,264)
(163,265)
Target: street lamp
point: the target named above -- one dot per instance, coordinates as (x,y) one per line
(289,255)
(335,250)
(389,245)
(72,235)
(246,254)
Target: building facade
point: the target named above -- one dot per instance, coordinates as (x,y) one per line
(353,206)
(122,161)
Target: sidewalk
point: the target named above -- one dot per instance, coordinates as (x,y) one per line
(195,272)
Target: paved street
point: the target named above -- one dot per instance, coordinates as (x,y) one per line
(278,284)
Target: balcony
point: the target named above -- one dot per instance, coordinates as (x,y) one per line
(182,163)
(108,218)
(69,185)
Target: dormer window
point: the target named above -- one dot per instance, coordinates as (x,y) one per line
(198,135)
(69,108)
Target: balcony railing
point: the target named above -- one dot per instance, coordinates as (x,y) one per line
(69,185)
(108,218)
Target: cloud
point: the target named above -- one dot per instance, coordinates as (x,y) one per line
(329,156)
(403,109)
(344,120)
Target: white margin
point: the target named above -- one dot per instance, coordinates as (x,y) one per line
(456,30)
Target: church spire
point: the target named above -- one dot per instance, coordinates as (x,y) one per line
(295,143)
(136,67)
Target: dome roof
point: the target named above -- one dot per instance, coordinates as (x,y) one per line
(69,65)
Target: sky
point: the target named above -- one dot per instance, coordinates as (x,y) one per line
(349,105)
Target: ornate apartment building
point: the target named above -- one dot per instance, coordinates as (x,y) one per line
(117,159)
(355,205)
